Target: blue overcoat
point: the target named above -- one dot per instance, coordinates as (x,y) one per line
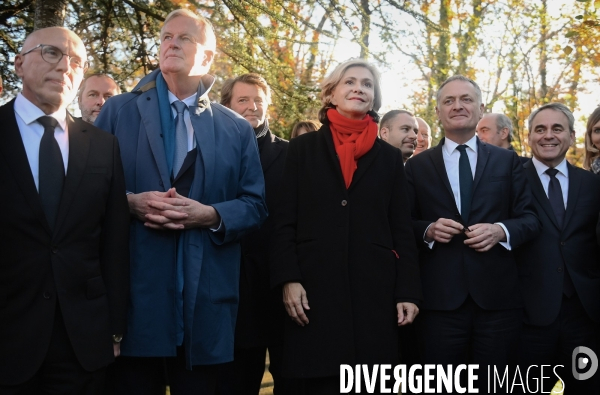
(227,176)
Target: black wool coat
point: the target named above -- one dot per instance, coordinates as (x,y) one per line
(260,313)
(352,249)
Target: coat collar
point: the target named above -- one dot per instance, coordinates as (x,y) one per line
(270,151)
(363,163)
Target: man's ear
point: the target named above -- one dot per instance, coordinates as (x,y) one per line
(504,133)
(384,133)
(19,65)
(208,57)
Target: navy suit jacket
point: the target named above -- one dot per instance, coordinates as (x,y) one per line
(227,176)
(543,261)
(451,271)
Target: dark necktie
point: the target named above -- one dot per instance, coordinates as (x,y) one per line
(51,170)
(181,137)
(557,202)
(555,196)
(465,178)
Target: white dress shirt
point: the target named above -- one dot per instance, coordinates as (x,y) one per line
(562,176)
(451,157)
(32,131)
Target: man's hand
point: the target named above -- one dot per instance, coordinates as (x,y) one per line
(443,230)
(483,237)
(138,203)
(117,349)
(406,313)
(295,301)
(177,212)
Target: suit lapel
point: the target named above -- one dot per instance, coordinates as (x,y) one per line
(437,157)
(575,180)
(150,114)
(79,147)
(13,150)
(270,151)
(538,191)
(204,132)
(483,154)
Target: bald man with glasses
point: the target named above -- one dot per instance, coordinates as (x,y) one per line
(64,275)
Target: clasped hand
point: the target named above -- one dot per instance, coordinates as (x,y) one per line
(170,210)
(480,237)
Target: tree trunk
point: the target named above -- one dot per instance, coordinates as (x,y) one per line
(49,13)
(366,29)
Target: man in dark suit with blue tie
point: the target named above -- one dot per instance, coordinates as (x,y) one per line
(560,270)
(470,207)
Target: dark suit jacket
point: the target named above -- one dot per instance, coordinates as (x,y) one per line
(261,308)
(352,250)
(542,261)
(83,265)
(451,271)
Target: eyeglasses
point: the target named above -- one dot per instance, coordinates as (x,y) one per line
(53,55)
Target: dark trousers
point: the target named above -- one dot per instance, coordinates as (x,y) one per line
(148,376)
(554,344)
(244,375)
(470,334)
(60,373)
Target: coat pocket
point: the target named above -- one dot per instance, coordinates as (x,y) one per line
(95,288)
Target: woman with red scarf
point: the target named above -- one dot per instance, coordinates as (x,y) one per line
(344,251)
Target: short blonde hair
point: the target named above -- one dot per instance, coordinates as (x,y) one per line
(207,33)
(332,80)
(309,125)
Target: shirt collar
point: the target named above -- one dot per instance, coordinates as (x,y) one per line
(541,168)
(450,146)
(190,100)
(29,112)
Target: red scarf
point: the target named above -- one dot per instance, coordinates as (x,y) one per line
(352,139)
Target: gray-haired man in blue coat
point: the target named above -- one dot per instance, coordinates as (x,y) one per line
(195,185)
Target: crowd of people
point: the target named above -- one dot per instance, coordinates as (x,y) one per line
(163,239)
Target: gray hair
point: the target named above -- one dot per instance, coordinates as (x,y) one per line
(332,80)
(502,121)
(103,75)
(556,107)
(459,77)
(207,33)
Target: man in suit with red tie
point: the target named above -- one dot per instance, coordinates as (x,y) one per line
(560,270)
(470,208)
(65,267)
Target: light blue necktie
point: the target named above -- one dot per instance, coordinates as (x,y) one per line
(181,137)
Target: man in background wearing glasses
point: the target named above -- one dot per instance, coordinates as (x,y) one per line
(64,237)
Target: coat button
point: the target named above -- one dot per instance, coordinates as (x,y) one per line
(160,183)
(560,269)
(562,243)
(54,249)
(47,295)
(344,203)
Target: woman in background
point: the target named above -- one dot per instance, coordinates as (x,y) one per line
(591,160)
(303,127)
(344,251)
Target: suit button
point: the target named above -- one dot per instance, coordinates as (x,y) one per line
(54,249)
(344,203)
(47,295)
(562,243)
(560,269)
(160,183)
